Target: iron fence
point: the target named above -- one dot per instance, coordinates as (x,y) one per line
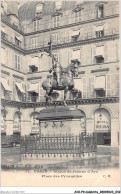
(59,144)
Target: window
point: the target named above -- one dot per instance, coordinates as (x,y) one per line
(100,11)
(17,41)
(77,16)
(39,9)
(100,86)
(76,54)
(34,64)
(56,21)
(99,31)
(58,5)
(33,90)
(17,62)
(19,91)
(55,38)
(36,25)
(75,35)
(99,54)
(34,43)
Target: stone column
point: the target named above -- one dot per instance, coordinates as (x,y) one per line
(114,132)
(89,125)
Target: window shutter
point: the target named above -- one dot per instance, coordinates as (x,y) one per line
(81,53)
(113,85)
(106,53)
(84,83)
(117,82)
(94,31)
(93,54)
(106,28)
(108,85)
(91,83)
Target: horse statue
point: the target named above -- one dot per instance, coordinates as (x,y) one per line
(67,82)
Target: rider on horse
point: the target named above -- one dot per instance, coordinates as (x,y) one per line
(57,70)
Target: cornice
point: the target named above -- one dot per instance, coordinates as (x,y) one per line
(60,103)
(34,78)
(71,25)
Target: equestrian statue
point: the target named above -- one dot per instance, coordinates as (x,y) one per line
(61,78)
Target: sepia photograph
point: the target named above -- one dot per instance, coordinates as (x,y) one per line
(60,81)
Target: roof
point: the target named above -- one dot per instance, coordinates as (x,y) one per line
(59,113)
(27,10)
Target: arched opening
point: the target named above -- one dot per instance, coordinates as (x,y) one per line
(102,126)
(17,123)
(34,123)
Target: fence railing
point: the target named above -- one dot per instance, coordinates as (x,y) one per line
(59,144)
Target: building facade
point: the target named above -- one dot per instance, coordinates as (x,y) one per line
(83,30)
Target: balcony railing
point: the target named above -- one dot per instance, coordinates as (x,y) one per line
(69,19)
(70,39)
(12,41)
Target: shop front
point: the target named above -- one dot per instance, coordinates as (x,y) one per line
(102,125)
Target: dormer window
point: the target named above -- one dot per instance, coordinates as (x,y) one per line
(58,5)
(39,9)
(100,10)
(79,6)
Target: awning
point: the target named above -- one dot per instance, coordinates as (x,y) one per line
(5,85)
(34,61)
(99,28)
(100,83)
(18,38)
(78,84)
(76,32)
(100,51)
(19,86)
(34,88)
(76,54)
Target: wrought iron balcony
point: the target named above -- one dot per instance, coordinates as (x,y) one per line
(70,40)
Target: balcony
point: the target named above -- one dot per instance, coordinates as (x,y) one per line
(11,41)
(92,36)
